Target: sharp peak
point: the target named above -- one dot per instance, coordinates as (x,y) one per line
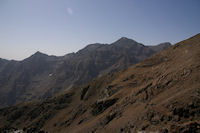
(125,39)
(38,52)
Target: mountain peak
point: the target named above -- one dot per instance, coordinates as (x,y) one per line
(39,53)
(125,40)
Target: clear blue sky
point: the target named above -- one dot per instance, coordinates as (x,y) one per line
(61,26)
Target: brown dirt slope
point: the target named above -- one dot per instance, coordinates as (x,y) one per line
(161,94)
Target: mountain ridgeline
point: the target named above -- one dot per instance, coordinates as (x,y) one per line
(160,94)
(41,76)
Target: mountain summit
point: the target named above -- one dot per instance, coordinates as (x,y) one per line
(125,41)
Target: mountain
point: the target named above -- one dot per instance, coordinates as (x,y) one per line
(41,76)
(160,94)
(161,46)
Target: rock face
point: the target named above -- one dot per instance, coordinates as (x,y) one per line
(160,94)
(41,76)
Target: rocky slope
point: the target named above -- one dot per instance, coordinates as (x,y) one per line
(160,94)
(41,76)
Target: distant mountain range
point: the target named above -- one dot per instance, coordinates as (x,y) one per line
(41,76)
(160,94)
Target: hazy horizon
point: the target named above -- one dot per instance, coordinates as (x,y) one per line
(58,27)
